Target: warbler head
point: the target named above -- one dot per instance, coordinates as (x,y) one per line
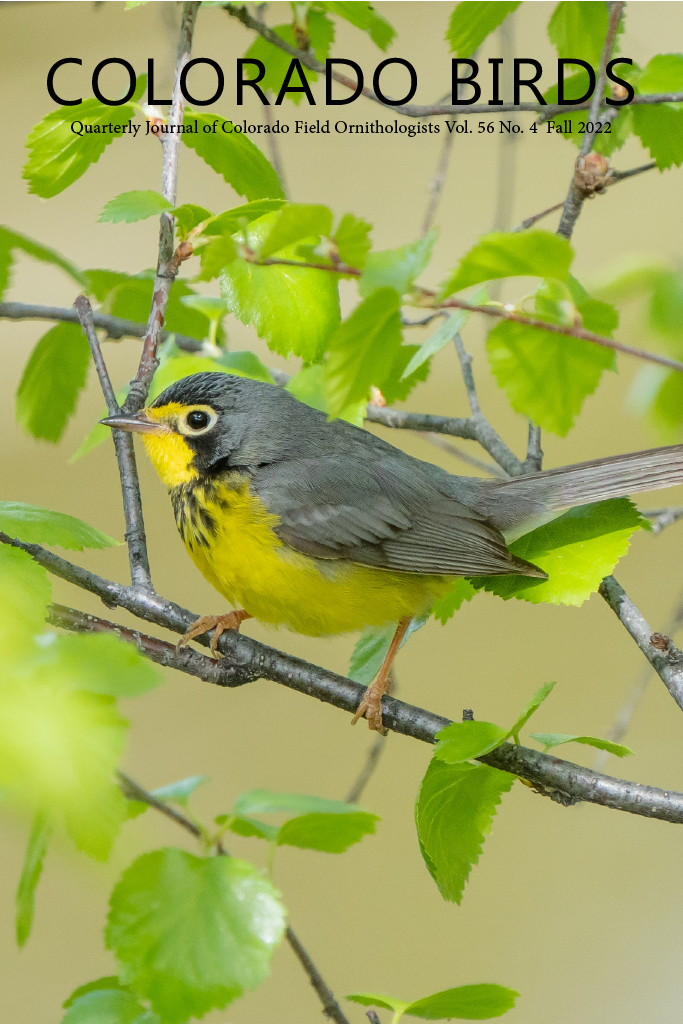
(209,422)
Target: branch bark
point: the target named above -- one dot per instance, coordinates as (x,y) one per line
(247,660)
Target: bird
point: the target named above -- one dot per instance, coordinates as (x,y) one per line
(322,527)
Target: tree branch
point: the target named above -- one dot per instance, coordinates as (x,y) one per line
(125,454)
(576,196)
(663,655)
(247,660)
(533,462)
(433,110)
(331,1008)
(660,518)
(169,261)
(436,185)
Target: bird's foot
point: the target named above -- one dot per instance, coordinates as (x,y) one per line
(219,623)
(371,707)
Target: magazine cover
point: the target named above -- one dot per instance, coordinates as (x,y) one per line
(342,386)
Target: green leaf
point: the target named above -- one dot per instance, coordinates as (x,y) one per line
(398,384)
(36,525)
(30,874)
(472,21)
(308,385)
(11,240)
(364,17)
(131,298)
(666,307)
(369,653)
(133,206)
(468,1002)
(441,336)
(295,222)
(501,254)
(664,73)
(361,350)
(461,741)
(267,801)
(239,364)
(52,380)
(353,242)
(234,156)
(330,833)
(245,364)
(277,61)
(384,1002)
(188,216)
(579,30)
(97,663)
(58,157)
(660,129)
(294,309)
(181,791)
(110,982)
(108,1006)
(546,376)
(445,607)
(556,739)
(533,705)
(231,221)
(192,933)
(250,828)
(577,550)
(215,257)
(212,308)
(25,593)
(397,268)
(454,812)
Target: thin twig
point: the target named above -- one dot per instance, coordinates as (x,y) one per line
(169,261)
(331,1008)
(436,185)
(431,110)
(490,468)
(663,655)
(533,462)
(663,517)
(465,360)
(246,660)
(125,454)
(371,761)
(508,143)
(614,179)
(116,327)
(576,196)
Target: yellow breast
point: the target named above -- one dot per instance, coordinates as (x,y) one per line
(230,536)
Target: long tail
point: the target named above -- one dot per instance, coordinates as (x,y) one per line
(516,503)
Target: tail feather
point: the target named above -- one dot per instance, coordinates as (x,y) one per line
(514,503)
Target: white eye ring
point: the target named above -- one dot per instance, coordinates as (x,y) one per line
(189,431)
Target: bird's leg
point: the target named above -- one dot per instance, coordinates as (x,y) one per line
(371,705)
(219,623)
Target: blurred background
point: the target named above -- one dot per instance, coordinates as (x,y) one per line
(577,909)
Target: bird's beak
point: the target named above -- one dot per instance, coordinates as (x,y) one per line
(138,424)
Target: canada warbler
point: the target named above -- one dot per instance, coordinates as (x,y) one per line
(326,529)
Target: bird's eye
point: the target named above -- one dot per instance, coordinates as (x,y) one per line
(197,421)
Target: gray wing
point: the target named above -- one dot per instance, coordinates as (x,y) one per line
(385,514)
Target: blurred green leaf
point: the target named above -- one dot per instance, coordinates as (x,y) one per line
(110,982)
(189,216)
(579,30)
(521,254)
(133,206)
(192,933)
(294,222)
(373,999)
(533,705)
(267,801)
(25,592)
(329,833)
(308,385)
(99,433)
(664,73)
(461,741)
(11,240)
(181,791)
(52,380)
(250,828)
(369,653)
(36,525)
(97,663)
(556,739)
(472,21)
(577,550)
(108,1006)
(365,17)
(454,811)
(277,61)
(353,242)
(215,256)
(212,308)
(441,337)
(58,157)
(660,129)
(468,1002)
(231,221)
(234,156)
(362,349)
(295,310)
(445,607)
(30,874)
(666,307)
(396,268)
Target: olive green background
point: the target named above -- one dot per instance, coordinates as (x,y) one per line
(578,909)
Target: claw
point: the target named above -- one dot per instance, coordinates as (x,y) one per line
(219,623)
